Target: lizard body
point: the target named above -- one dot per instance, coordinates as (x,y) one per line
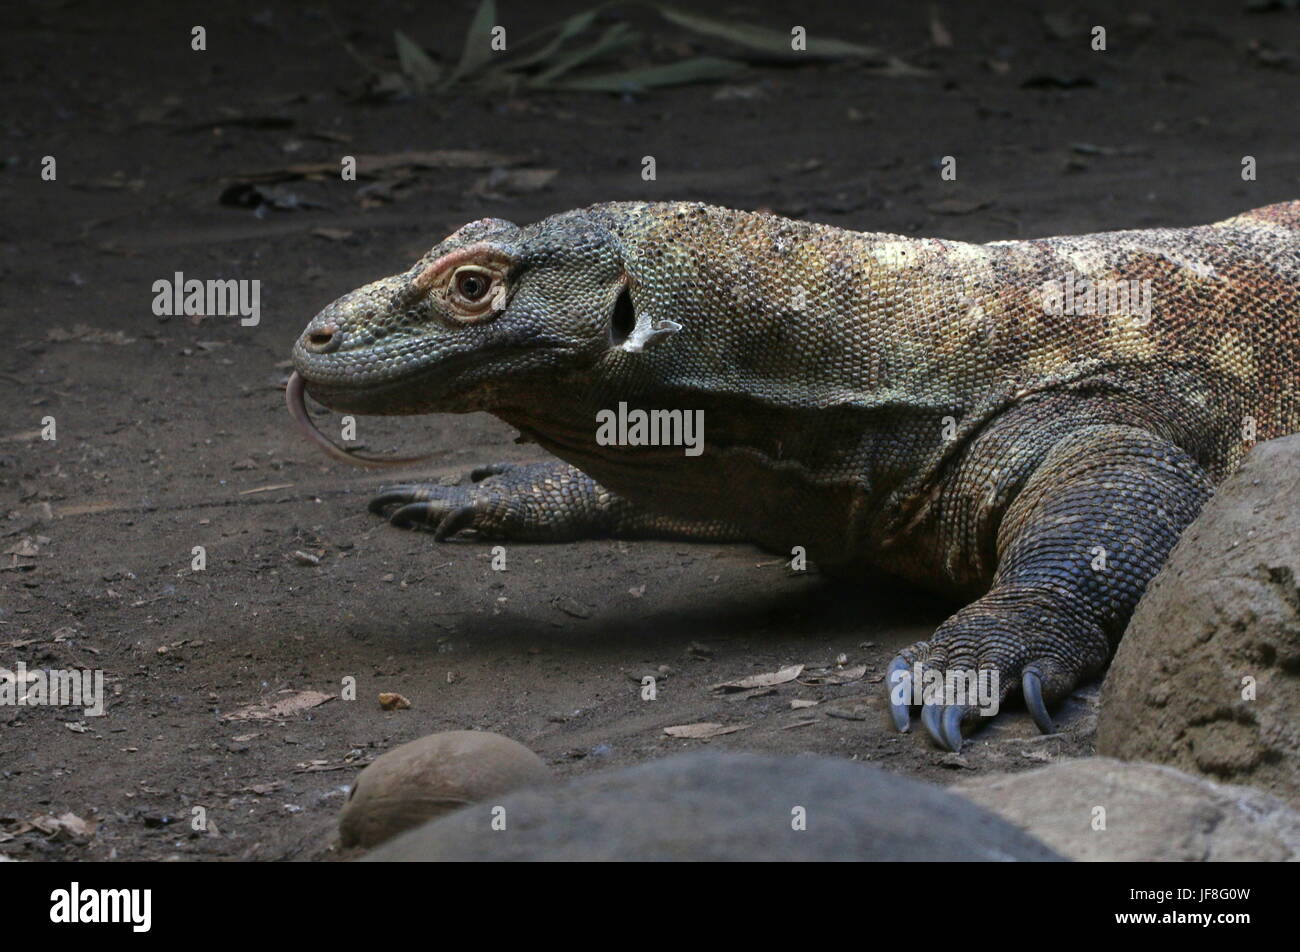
(960,415)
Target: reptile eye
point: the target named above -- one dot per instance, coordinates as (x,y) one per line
(472,286)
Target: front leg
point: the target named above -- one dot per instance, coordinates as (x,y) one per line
(1091,526)
(535,502)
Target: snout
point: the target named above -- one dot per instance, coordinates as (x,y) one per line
(376,350)
(334,347)
(355,356)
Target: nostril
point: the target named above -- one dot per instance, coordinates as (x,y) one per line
(323,339)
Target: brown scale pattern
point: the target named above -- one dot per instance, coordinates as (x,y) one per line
(889,403)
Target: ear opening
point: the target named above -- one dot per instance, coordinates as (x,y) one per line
(623,321)
(635,332)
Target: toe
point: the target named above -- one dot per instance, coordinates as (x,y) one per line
(392,496)
(1031,685)
(943,722)
(954,716)
(1045,683)
(460,518)
(898,680)
(413,514)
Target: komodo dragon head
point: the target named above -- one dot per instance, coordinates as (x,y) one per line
(467,326)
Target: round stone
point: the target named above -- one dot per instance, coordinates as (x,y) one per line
(433,776)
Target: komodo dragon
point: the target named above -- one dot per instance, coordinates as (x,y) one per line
(1027,425)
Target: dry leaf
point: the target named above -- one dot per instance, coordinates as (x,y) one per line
(835,675)
(66,825)
(390,701)
(854,708)
(294,703)
(761,680)
(26,548)
(703,731)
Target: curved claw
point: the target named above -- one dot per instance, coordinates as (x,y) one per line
(898,673)
(1032,687)
(453,522)
(392,495)
(410,514)
(952,721)
(943,721)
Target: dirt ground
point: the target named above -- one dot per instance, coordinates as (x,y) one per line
(172,432)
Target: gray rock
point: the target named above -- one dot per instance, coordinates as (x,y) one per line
(1152,813)
(711,806)
(1225,609)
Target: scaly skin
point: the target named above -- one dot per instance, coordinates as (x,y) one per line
(897,404)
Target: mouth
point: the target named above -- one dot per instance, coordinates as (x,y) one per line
(443,388)
(295,395)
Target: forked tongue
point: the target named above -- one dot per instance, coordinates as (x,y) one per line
(295,396)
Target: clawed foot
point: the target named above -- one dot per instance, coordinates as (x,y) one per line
(975,662)
(947,722)
(520,502)
(447,509)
